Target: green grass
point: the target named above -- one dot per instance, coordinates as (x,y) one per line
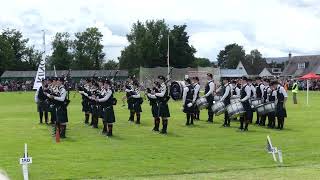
(205,151)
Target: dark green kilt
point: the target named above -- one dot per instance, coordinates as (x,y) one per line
(155,110)
(51,107)
(130,103)
(95,109)
(187,109)
(137,107)
(108,114)
(280,111)
(210,103)
(62,114)
(85,106)
(164,110)
(42,106)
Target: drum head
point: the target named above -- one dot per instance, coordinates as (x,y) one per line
(176,90)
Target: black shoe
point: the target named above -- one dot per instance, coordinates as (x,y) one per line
(138,122)
(86,122)
(246,129)
(187,124)
(109,135)
(210,121)
(228,125)
(163,132)
(155,129)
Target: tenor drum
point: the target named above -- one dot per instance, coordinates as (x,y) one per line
(218,108)
(266,108)
(235,109)
(202,103)
(256,102)
(176,90)
(234,99)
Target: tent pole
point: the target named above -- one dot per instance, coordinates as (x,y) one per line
(307,91)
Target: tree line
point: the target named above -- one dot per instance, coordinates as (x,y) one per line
(148,47)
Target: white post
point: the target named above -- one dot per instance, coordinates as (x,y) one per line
(307,91)
(25,165)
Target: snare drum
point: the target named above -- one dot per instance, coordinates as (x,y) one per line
(256,102)
(266,108)
(234,99)
(235,109)
(202,103)
(218,108)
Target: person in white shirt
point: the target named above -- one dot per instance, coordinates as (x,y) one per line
(137,101)
(281,100)
(187,99)
(244,99)
(226,95)
(259,94)
(196,86)
(209,92)
(163,97)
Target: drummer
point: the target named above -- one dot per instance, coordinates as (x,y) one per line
(187,98)
(226,90)
(272,98)
(282,97)
(235,88)
(253,96)
(196,87)
(244,99)
(259,94)
(209,90)
(265,98)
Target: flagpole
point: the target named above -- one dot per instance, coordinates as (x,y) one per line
(168,58)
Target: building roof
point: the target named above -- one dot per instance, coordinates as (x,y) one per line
(251,69)
(312,64)
(232,73)
(277,60)
(74,73)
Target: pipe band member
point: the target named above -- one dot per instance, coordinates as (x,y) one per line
(107,102)
(226,91)
(85,100)
(196,96)
(244,99)
(41,101)
(136,102)
(129,92)
(154,103)
(209,90)
(282,97)
(163,97)
(187,101)
(259,94)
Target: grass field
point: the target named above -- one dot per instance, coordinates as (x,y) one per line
(204,151)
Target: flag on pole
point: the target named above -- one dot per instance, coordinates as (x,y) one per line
(168,57)
(271,149)
(55,72)
(41,72)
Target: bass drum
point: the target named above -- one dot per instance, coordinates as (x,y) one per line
(176,90)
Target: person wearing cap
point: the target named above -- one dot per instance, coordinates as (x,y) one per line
(40,99)
(196,86)
(85,101)
(107,101)
(209,90)
(244,99)
(60,101)
(226,95)
(282,97)
(154,103)
(53,90)
(187,98)
(136,102)
(163,97)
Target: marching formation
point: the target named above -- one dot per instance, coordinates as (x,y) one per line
(235,98)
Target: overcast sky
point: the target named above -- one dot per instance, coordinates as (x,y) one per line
(274,27)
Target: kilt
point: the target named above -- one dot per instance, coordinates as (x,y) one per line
(136,107)
(130,103)
(108,114)
(187,109)
(42,106)
(280,111)
(85,106)
(51,107)
(164,109)
(249,113)
(94,109)
(210,103)
(155,110)
(62,114)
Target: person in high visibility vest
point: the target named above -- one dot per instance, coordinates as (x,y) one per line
(295,89)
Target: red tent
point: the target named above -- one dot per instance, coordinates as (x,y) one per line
(310,76)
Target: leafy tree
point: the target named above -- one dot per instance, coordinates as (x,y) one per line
(202,62)
(231,56)
(110,65)
(88,50)
(6,55)
(61,56)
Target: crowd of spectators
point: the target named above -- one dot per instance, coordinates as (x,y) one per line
(14,85)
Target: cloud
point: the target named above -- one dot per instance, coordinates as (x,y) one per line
(274,27)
